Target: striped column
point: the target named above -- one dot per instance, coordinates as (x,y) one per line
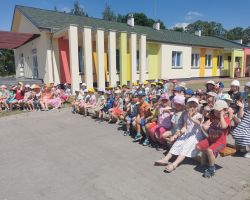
(133,51)
(73,57)
(112,57)
(123,58)
(88,61)
(142,50)
(100,58)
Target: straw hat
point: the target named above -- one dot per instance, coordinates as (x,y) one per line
(3,87)
(220,105)
(145,82)
(35,86)
(92,90)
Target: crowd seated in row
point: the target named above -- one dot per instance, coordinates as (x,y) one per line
(33,97)
(169,115)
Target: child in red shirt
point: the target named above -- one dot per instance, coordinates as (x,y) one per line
(217,128)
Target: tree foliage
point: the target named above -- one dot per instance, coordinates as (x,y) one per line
(235,33)
(78,10)
(108,14)
(207,28)
(7,63)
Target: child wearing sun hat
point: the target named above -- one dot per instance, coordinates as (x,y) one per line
(216,129)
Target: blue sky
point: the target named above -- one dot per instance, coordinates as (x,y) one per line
(171,12)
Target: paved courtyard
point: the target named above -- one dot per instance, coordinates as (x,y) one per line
(59,156)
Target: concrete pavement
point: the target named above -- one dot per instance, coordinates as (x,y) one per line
(60,156)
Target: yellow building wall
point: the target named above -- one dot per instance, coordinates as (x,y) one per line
(237,53)
(214,69)
(202,62)
(153,61)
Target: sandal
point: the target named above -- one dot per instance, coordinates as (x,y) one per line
(169,168)
(161,162)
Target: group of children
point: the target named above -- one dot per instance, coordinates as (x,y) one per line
(33,97)
(168,114)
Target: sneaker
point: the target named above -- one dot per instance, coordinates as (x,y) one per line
(247,155)
(126,133)
(146,142)
(138,137)
(209,172)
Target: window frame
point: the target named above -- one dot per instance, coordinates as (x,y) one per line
(220,60)
(175,60)
(211,64)
(194,55)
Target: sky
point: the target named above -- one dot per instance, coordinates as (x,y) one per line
(172,12)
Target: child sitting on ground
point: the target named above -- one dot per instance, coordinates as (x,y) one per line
(144,112)
(177,119)
(217,128)
(131,113)
(163,121)
(186,139)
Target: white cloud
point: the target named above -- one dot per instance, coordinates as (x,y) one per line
(192,15)
(66,9)
(181,24)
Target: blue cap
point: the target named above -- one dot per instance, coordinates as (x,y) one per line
(221,85)
(189,91)
(141,93)
(178,89)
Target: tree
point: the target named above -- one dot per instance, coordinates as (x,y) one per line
(7,63)
(246,35)
(77,10)
(207,28)
(235,33)
(179,29)
(140,19)
(108,14)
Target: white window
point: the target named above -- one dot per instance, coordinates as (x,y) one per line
(35,64)
(176,59)
(208,61)
(220,61)
(195,60)
(81,59)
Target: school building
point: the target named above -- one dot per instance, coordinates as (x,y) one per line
(75,49)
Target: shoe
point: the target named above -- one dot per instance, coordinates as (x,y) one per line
(138,137)
(209,172)
(247,155)
(146,142)
(126,133)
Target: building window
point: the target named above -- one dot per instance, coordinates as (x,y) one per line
(208,61)
(195,60)
(176,59)
(81,60)
(117,61)
(220,61)
(35,64)
(137,61)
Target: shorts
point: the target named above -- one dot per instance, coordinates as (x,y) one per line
(117,111)
(156,133)
(11,100)
(216,147)
(130,119)
(143,122)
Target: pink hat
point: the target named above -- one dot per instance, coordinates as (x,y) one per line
(180,99)
(3,87)
(164,97)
